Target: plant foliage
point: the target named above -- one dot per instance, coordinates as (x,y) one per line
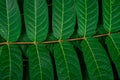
(35,40)
(87,16)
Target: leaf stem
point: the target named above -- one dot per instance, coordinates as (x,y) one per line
(56,41)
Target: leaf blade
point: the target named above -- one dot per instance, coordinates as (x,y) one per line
(111,15)
(113,46)
(63,21)
(67,64)
(40,65)
(36,19)
(10,20)
(87,17)
(11,63)
(96,60)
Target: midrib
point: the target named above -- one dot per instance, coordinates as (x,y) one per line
(8,24)
(85,19)
(39,61)
(110,16)
(63,53)
(9,61)
(94,59)
(35,20)
(35,40)
(62,22)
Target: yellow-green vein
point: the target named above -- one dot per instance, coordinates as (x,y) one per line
(7,21)
(94,59)
(85,19)
(9,61)
(62,24)
(35,25)
(8,39)
(63,53)
(110,16)
(39,61)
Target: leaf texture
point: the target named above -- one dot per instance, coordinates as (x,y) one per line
(96,60)
(10,20)
(111,15)
(40,65)
(87,17)
(36,19)
(63,21)
(10,63)
(66,60)
(113,45)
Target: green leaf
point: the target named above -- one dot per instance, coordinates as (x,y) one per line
(36,19)
(111,15)
(87,16)
(66,60)
(10,20)
(11,63)
(96,60)
(40,64)
(63,21)
(113,45)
